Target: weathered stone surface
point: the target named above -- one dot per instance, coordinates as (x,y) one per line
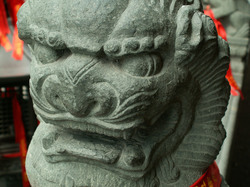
(235,17)
(128,92)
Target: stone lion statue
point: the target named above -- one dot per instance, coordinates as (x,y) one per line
(128,92)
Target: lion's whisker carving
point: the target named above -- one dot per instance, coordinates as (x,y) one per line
(135,104)
(37,101)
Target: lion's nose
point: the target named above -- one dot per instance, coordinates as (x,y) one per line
(73,85)
(82,99)
(77,102)
(71,98)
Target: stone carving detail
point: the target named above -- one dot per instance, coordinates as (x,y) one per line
(235,17)
(128,92)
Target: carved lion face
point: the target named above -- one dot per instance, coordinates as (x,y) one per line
(110,83)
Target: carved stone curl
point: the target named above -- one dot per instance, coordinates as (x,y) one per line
(129,92)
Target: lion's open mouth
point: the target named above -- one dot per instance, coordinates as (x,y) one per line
(60,145)
(126,156)
(131,153)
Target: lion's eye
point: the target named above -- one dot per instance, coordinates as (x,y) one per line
(45,54)
(143,65)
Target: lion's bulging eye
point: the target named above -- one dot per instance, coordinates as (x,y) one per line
(45,54)
(143,65)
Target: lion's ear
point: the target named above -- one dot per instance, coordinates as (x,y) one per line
(207,63)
